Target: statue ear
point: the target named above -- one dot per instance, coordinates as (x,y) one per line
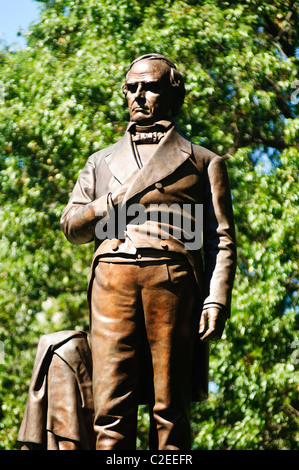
(175,81)
(177,90)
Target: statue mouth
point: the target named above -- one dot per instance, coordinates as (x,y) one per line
(140,108)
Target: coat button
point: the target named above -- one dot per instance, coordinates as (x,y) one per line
(139,256)
(114,246)
(159,185)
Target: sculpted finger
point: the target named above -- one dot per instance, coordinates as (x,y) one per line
(203,323)
(209,335)
(211,332)
(215,334)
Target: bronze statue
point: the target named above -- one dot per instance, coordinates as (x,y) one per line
(59,409)
(158,292)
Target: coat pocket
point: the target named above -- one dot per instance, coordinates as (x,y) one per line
(178,272)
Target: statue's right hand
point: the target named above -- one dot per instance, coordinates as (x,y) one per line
(99,207)
(118,195)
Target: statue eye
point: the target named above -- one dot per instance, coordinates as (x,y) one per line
(132,87)
(152,86)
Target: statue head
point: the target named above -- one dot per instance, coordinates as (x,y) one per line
(154,89)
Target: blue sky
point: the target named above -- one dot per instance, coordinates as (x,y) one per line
(15,15)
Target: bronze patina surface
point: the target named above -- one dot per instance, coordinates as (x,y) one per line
(156,297)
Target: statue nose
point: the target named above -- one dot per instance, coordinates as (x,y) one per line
(140,91)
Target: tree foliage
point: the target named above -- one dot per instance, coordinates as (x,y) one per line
(62,101)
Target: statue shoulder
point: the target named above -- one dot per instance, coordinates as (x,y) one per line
(204,155)
(98,157)
(200,154)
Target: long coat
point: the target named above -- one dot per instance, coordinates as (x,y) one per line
(179,172)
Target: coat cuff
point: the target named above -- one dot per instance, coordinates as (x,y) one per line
(216,305)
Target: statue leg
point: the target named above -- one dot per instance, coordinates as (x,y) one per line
(114,344)
(170,326)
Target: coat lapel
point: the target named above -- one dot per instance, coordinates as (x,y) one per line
(173,150)
(121,161)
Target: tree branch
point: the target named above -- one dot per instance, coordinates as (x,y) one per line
(280,99)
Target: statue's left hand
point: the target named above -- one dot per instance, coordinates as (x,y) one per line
(212,323)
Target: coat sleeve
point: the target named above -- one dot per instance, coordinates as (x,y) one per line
(83,210)
(219,245)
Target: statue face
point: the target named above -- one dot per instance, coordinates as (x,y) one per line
(148,92)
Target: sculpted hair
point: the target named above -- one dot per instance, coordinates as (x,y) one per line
(176,80)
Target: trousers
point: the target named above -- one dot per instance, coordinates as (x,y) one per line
(142,332)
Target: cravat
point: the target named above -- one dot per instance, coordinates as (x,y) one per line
(147,137)
(148,134)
